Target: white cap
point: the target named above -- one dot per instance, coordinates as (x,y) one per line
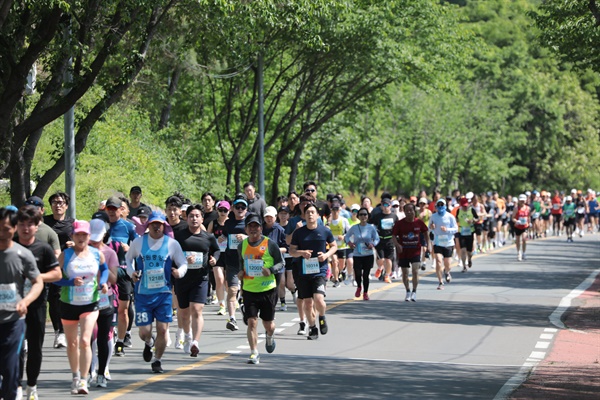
(528,193)
(573,190)
(522,197)
(395,203)
(469,195)
(97,230)
(270,211)
(354,207)
(185,207)
(568,198)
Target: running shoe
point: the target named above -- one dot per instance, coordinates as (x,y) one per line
(423,266)
(440,286)
(232,325)
(222,310)
(187,345)
(323,325)
(254,359)
(147,353)
(82,387)
(270,343)
(336,284)
(387,279)
(75,386)
(366,296)
(157,367)
(119,349)
(169,341)
(61,341)
(127,340)
(283,307)
(464,269)
(302,329)
(101,381)
(377,273)
(31,393)
(407,298)
(313,333)
(413,296)
(179,340)
(448,277)
(107,374)
(470,263)
(519,256)
(358,291)
(525,256)
(354,283)
(194,350)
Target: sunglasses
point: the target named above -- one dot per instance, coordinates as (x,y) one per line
(354,211)
(240,207)
(222,210)
(58,203)
(395,206)
(310,190)
(362,215)
(386,204)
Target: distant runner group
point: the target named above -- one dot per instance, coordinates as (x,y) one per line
(132,263)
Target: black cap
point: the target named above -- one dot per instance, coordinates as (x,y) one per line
(144,210)
(250,218)
(284,209)
(386,195)
(101,215)
(136,189)
(35,201)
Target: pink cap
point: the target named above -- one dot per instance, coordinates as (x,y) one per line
(223,204)
(81,226)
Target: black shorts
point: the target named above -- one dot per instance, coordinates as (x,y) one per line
(69,312)
(466,242)
(478,229)
(569,222)
(546,217)
(407,262)
(260,304)
(580,217)
(446,252)
(289,263)
(125,285)
(191,292)
(557,217)
(342,253)
(309,285)
(519,231)
(385,249)
(231,275)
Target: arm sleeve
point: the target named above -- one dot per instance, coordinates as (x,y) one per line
(103,273)
(133,252)
(278,262)
(213,249)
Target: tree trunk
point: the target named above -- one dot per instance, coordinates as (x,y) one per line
(165,114)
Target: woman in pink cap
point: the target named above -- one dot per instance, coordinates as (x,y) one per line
(216,228)
(85,274)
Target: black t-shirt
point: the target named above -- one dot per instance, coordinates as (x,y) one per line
(63,228)
(232,227)
(384,224)
(315,240)
(133,211)
(209,217)
(203,243)
(182,225)
(46,261)
(323,208)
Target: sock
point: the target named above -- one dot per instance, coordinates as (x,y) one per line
(414,291)
(255,352)
(154,359)
(282,300)
(150,342)
(76,376)
(180,331)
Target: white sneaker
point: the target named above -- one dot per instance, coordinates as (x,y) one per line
(169,341)
(19,395)
(101,381)
(519,257)
(62,341)
(407,298)
(31,393)
(524,257)
(413,296)
(187,344)
(82,387)
(75,386)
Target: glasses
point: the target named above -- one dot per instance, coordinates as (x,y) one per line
(354,211)
(395,206)
(362,215)
(58,203)
(240,207)
(386,204)
(223,210)
(440,205)
(310,190)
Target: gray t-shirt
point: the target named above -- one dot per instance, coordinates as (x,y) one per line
(17,264)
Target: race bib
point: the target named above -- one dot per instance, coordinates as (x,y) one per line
(104,301)
(233,242)
(85,293)
(286,255)
(556,206)
(26,287)
(387,224)
(465,231)
(522,221)
(444,237)
(362,248)
(8,296)
(535,215)
(311,266)
(155,278)
(253,267)
(581,210)
(222,242)
(198,260)
(569,211)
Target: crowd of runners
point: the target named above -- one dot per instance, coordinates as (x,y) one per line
(135,263)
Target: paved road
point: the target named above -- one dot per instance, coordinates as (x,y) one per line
(466,341)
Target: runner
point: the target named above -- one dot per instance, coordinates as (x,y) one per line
(353,220)
(593,212)
(309,242)
(310,188)
(581,208)
(384,222)
(443,224)
(135,197)
(201,250)
(158,259)
(338,226)
(362,239)
(556,214)
(424,214)
(210,212)
(466,217)
(568,210)
(546,205)
(216,228)
(261,260)
(256,204)
(276,233)
(234,230)
(18,267)
(85,274)
(520,219)
(500,218)
(28,219)
(406,236)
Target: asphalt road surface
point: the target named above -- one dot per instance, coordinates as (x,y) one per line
(474,340)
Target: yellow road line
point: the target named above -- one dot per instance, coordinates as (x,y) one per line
(160,377)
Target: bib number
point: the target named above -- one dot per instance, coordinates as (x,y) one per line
(311,266)
(233,242)
(387,224)
(465,231)
(198,260)
(155,278)
(83,294)
(222,242)
(8,296)
(253,267)
(105,301)
(522,221)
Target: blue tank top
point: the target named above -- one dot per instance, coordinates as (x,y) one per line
(156,268)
